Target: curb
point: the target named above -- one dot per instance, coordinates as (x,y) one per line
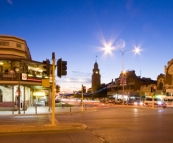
(41,128)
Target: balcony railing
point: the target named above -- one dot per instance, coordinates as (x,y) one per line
(15,76)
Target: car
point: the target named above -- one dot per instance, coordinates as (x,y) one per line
(138,103)
(129,102)
(169,101)
(111,100)
(157,102)
(57,100)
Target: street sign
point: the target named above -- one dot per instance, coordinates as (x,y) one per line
(123,81)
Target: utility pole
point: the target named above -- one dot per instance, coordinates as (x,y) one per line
(53,89)
(82,98)
(19,88)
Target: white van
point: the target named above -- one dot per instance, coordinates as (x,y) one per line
(168,100)
(157,102)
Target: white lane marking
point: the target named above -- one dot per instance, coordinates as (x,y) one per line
(101,139)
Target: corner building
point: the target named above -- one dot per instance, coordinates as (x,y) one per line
(20,76)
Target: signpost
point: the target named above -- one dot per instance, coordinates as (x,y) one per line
(123,82)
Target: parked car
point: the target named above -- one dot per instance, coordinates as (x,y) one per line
(138,103)
(57,100)
(157,102)
(169,101)
(129,102)
(111,100)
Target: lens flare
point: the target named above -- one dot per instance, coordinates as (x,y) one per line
(137,50)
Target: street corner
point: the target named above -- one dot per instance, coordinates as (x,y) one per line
(70,126)
(41,128)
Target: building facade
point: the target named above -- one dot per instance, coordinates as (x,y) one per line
(165,81)
(20,76)
(131,86)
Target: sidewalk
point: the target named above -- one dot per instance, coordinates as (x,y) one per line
(41,110)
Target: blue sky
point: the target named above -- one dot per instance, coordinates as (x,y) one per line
(76,30)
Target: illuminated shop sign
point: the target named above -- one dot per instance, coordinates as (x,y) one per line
(35,79)
(24,76)
(9,76)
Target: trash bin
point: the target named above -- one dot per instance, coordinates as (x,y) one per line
(25,107)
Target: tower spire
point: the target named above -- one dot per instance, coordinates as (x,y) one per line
(96,58)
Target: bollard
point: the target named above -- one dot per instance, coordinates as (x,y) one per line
(35,108)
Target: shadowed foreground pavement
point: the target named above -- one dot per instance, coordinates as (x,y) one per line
(25,126)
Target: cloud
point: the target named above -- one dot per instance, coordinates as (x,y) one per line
(10,1)
(79,73)
(77,77)
(73,81)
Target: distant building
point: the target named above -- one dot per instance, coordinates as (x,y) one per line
(165,81)
(132,86)
(96,77)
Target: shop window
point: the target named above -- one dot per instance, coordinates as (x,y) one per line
(0,95)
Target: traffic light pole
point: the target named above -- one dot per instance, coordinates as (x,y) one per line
(53,89)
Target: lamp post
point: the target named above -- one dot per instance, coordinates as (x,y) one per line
(136,50)
(123,72)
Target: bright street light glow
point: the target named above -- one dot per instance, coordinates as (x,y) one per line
(137,50)
(108,48)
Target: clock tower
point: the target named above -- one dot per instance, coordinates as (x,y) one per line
(95,77)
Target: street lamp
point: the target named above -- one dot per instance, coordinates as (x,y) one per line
(123,73)
(136,50)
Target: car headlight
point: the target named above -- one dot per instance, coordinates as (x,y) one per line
(159,102)
(141,103)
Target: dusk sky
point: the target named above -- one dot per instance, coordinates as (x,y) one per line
(77,30)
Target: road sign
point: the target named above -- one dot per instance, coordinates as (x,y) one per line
(123,81)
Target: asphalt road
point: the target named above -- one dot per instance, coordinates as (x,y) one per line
(115,124)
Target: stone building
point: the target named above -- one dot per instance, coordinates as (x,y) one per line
(165,81)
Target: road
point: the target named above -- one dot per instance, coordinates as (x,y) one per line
(116,124)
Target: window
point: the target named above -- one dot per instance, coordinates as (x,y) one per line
(4,43)
(18,45)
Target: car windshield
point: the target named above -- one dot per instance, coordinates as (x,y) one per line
(157,99)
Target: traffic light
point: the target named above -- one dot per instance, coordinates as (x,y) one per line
(84,89)
(61,68)
(47,66)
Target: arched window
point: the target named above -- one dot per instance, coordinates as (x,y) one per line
(160,87)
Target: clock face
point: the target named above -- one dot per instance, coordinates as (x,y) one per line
(96,72)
